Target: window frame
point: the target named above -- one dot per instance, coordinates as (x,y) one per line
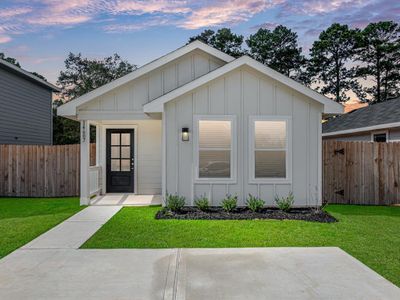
(252,149)
(196,149)
(385,132)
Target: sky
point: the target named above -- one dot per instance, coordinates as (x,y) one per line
(40,33)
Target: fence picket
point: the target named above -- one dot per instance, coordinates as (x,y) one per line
(40,171)
(367,172)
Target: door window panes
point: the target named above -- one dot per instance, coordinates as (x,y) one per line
(115,165)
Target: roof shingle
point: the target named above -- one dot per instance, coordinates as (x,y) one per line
(376,114)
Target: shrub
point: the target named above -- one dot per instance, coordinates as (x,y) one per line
(285,203)
(254,203)
(202,203)
(174,202)
(229,203)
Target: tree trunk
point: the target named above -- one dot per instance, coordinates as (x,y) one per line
(378,77)
(337,92)
(385,86)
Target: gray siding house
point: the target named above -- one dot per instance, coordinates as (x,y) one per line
(25,107)
(376,123)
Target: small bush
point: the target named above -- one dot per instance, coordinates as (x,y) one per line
(229,203)
(202,203)
(285,203)
(254,203)
(174,202)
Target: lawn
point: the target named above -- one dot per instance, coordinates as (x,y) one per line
(23,219)
(371,234)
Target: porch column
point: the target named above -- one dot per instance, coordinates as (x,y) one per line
(85,162)
(98,159)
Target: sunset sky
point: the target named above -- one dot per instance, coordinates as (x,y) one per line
(40,33)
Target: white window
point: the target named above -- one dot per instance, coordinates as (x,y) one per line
(214,148)
(269,149)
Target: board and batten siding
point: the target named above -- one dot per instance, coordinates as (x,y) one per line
(243,93)
(132,96)
(25,111)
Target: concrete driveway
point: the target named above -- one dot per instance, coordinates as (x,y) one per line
(51,267)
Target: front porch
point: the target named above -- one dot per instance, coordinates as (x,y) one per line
(127,169)
(126,199)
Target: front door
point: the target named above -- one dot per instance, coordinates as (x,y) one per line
(120,160)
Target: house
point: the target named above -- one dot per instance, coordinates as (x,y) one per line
(377,123)
(26,113)
(198,121)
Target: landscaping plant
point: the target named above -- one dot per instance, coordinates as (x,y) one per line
(229,203)
(174,203)
(202,203)
(255,204)
(285,203)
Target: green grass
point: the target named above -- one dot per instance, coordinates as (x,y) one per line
(371,234)
(23,219)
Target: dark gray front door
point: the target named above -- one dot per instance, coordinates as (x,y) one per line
(120,160)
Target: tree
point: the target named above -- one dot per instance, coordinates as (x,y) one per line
(9,59)
(65,131)
(16,63)
(224,39)
(279,50)
(378,50)
(329,65)
(82,75)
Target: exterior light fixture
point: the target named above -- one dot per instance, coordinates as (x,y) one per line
(185,134)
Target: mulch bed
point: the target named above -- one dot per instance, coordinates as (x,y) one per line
(217,213)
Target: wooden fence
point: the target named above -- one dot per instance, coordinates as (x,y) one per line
(353,172)
(361,172)
(40,171)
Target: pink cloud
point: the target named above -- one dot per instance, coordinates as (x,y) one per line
(65,12)
(116,28)
(226,12)
(311,7)
(151,6)
(58,20)
(7,13)
(5,39)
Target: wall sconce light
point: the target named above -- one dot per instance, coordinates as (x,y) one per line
(185,134)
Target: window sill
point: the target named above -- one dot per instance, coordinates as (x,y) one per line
(270,181)
(215,181)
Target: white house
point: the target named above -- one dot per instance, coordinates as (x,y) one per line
(197,121)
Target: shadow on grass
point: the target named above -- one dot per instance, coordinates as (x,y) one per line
(362,210)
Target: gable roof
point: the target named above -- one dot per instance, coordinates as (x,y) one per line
(27,75)
(69,108)
(329,106)
(385,114)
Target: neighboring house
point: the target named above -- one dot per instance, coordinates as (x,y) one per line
(200,122)
(26,113)
(377,123)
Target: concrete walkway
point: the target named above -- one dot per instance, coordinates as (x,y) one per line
(76,230)
(51,267)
